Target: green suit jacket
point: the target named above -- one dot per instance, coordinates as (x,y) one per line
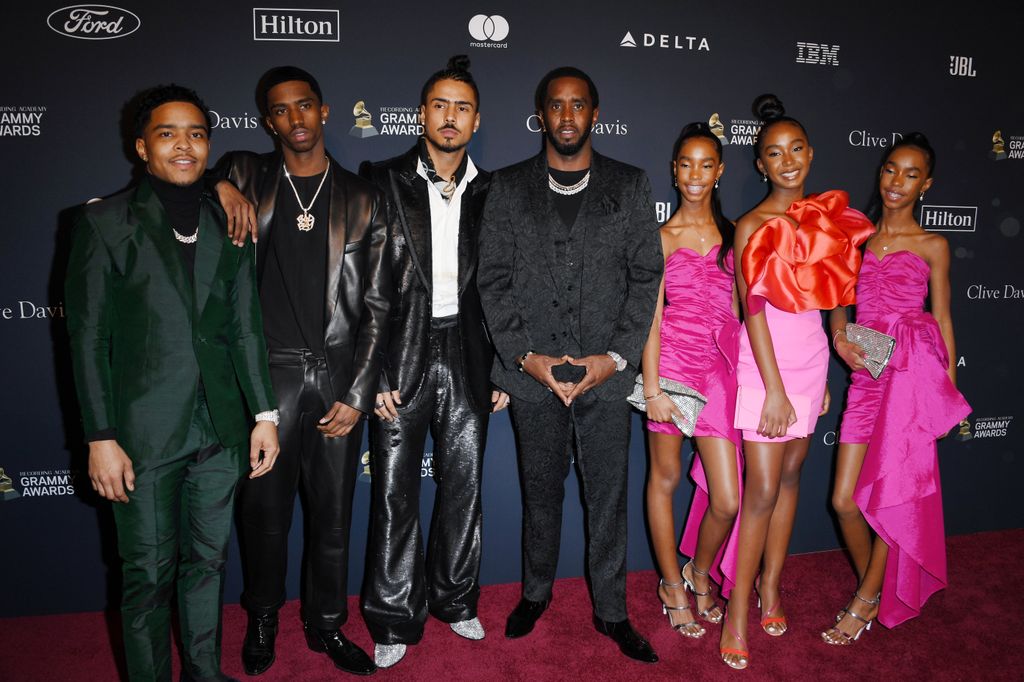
(143,332)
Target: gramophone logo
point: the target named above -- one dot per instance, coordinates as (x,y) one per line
(998,152)
(717,128)
(364,126)
(365,471)
(7,491)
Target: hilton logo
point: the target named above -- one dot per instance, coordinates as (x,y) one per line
(304,25)
(816,53)
(949,218)
(961,66)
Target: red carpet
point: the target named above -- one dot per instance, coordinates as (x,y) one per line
(970,631)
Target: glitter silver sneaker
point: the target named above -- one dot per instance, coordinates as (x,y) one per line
(386,655)
(470,629)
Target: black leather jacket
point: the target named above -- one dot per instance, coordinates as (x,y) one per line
(408,250)
(359,291)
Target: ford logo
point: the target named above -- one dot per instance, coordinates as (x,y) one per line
(93,22)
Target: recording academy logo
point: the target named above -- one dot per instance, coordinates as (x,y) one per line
(985,427)
(981,292)
(229,122)
(949,218)
(50,483)
(7,491)
(619,127)
(363,122)
(93,22)
(666,41)
(21,121)
(301,25)
(962,66)
(489,31)
(27,310)
(866,138)
(717,128)
(817,53)
(392,121)
(1003,149)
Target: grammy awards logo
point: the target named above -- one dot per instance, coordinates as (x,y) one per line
(717,128)
(363,126)
(7,491)
(366,473)
(998,152)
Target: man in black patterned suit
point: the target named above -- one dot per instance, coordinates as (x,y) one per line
(570,265)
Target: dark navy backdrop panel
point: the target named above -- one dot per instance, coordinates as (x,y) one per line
(856,74)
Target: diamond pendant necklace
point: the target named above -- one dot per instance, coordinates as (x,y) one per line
(568,190)
(305,220)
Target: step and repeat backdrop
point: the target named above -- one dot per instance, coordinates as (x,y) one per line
(857,75)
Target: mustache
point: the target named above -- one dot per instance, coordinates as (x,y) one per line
(448,126)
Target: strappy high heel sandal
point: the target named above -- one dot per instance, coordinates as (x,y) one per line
(743,655)
(775,626)
(706,614)
(665,608)
(837,637)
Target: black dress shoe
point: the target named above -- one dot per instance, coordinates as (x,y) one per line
(523,617)
(345,654)
(629,640)
(258,647)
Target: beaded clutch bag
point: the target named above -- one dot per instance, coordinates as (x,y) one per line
(689,401)
(876,345)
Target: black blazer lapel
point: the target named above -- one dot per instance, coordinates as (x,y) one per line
(469,228)
(336,238)
(146,207)
(412,203)
(265,201)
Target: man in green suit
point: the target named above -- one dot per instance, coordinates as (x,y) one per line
(170,367)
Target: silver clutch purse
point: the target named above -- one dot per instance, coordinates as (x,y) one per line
(878,346)
(689,401)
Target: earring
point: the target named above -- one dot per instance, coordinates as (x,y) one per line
(323,121)
(145,158)
(675,182)
(764,177)
(921,198)
(716,183)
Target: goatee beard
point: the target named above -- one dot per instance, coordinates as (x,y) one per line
(568,148)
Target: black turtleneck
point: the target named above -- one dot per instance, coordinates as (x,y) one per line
(181,203)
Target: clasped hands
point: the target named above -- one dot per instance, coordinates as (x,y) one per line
(599,368)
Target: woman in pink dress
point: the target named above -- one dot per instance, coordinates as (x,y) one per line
(799,257)
(887,475)
(693,340)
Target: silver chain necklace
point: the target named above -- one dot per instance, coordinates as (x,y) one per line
(304,220)
(568,190)
(191,239)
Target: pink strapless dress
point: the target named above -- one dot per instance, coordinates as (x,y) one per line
(900,416)
(699,336)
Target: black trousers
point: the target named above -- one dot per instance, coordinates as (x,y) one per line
(402,584)
(546,432)
(325,468)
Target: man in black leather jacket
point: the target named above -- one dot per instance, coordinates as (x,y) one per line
(325,288)
(436,377)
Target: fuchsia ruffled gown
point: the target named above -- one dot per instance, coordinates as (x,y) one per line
(699,344)
(900,416)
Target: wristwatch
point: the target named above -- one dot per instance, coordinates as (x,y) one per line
(269,416)
(521,360)
(620,362)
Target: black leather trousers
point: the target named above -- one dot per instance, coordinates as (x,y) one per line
(546,432)
(401,583)
(326,470)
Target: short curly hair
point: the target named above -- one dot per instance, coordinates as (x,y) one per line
(151,98)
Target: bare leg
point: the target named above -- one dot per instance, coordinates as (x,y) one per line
(718,457)
(662,481)
(763,466)
(855,530)
(779,532)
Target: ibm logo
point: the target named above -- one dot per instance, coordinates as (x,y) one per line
(816,53)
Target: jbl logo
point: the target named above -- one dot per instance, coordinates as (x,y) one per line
(961,66)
